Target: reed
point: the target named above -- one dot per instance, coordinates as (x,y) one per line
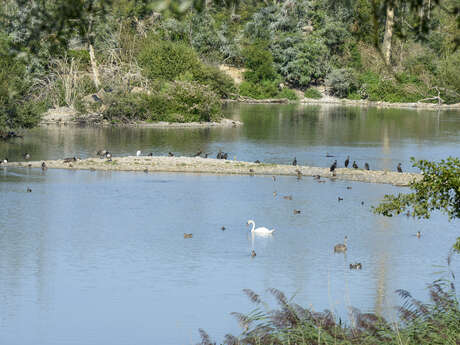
(436,322)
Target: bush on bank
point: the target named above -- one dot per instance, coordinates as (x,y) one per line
(175,102)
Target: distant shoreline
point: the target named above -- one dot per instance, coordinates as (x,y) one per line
(349,102)
(220,166)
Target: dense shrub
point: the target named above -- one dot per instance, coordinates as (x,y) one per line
(341,82)
(375,88)
(17,107)
(258,61)
(167,60)
(261,90)
(194,102)
(177,102)
(312,93)
(262,24)
(300,61)
(287,93)
(217,80)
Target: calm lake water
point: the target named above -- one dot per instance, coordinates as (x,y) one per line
(100,258)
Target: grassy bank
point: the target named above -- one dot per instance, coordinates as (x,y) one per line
(437,322)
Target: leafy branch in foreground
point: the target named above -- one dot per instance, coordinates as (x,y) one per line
(439,189)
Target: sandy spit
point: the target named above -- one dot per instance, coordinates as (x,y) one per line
(219,166)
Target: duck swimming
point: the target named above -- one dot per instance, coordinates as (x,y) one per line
(341,247)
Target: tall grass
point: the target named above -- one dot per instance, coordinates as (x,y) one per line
(437,322)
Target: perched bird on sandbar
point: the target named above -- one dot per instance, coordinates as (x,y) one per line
(70,159)
(170,154)
(253,253)
(26,156)
(341,247)
(333,166)
(294,162)
(347,161)
(399,168)
(138,153)
(366,166)
(150,154)
(355,166)
(44,167)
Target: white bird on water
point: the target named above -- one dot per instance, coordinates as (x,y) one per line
(261,230)
(138,153)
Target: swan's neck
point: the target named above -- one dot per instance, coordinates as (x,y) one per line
(253,226)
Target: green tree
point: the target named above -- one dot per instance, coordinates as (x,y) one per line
(439,189)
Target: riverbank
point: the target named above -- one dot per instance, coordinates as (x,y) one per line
(219,166)
(68,116)
(329,100)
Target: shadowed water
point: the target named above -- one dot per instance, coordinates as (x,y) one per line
(100,258)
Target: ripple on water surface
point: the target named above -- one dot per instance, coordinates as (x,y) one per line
(100,257)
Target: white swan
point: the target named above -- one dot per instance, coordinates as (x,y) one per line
(138,153)
(260,231)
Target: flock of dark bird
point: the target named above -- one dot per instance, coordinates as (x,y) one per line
(341,247)
(346,163)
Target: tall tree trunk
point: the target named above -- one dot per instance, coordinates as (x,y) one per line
(386,47)
(92,58)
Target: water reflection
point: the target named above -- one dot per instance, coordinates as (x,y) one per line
(271,133)
(99,257)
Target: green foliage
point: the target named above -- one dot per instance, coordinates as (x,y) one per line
(80,55)
(341,82)
(217,80)
(439,189)
(171,61)
(301,61)
(375,88)
(167,60)
(17,108)
(258,61)
(313,93)
(177,102)
(194,102)
(287,93)
(261,90)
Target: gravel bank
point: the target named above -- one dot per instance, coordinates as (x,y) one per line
(218,166)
